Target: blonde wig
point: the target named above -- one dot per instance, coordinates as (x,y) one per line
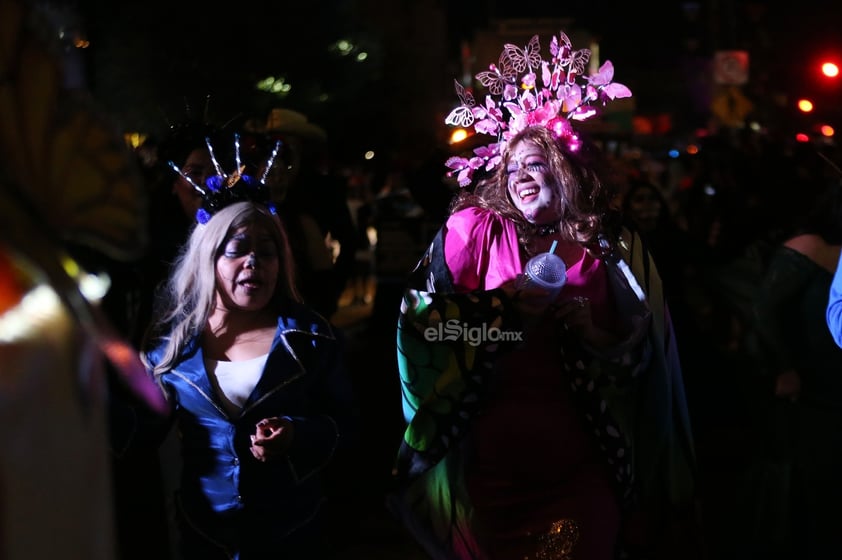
(187,298)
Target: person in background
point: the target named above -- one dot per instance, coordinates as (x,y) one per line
(801,362)
(360,202)
(535,429)
(257,382)
(646,211)
(679,259)
(174,200)
(311,199)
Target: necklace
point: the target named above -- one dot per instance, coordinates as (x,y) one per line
(547,229)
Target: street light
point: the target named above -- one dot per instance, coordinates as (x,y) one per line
(830,69)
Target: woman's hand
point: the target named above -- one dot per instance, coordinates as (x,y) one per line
(528,298)
(272,437)
(575,314)
(572,314)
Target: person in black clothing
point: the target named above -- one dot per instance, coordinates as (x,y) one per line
(678,258)
(312,202)
(645,209)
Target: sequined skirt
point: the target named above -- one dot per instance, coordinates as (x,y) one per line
(558,543)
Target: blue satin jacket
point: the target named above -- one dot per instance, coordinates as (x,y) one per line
(833,313)
(304,379)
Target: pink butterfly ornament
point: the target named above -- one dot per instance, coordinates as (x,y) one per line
(602,80)
(489,119)
(524,59)
(616,91)
(463,115)
(516,100)
(498,77)
(491,154)
(570,96)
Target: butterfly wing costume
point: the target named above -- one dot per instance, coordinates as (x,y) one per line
(67,179)
(444,381)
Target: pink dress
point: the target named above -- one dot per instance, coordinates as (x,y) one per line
(531,462)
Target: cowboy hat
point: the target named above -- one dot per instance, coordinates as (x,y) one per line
(293,123)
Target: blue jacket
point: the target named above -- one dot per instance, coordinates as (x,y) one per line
(304,379)
(834,306)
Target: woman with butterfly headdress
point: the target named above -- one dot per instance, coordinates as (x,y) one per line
(256,381)
(534,429)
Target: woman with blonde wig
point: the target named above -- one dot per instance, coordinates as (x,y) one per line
(258,388)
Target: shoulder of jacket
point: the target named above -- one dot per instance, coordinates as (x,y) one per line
(303,319)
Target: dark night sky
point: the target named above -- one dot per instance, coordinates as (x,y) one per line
(636,30)
(157,54)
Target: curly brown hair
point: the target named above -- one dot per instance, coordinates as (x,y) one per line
(587,214)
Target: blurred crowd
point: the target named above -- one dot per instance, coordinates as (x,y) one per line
(743,227)
(712,214)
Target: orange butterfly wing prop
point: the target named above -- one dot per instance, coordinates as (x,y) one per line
(61,156)
(66,176)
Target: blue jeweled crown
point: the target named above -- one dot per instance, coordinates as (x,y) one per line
(224,189)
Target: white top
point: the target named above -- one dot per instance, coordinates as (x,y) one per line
(235,381)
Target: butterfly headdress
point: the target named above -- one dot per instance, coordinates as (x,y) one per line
(224,189)
(516,99)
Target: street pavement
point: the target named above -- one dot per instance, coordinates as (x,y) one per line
(358,481)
